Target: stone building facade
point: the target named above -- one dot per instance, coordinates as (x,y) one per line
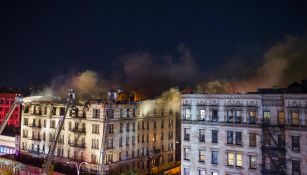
(243,134)
(135,140)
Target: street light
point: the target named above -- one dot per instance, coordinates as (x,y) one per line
(78,166)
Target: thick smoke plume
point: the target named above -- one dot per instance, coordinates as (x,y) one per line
(282,64)
(168,101)
(88,85)
(142,72)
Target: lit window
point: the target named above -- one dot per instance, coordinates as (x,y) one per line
(186,153)
(252,162)
(252,117)
(201,155)
(267,163)
(294,118)
(230,159)
(187,114)
(239,161)
(202,172)
(281,118)
(266,117)
(202,114)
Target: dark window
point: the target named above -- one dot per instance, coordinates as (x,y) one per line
(229,137)
(295,143)
(252,139)
(202,135)
(214,157)
(296,167)
(187,134)
(214,115)
(238,138)
(214,136)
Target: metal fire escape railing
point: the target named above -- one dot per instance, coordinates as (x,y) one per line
(76,129)
(70,104)
(275,151)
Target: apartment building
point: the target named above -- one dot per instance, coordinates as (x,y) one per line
(6,102)
(134,139)
(259,133)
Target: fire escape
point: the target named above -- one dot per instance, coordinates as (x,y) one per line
(273,143)
(78,131)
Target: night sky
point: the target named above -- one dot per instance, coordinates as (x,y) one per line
(40,40)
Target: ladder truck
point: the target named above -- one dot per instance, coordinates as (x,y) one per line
(70,104)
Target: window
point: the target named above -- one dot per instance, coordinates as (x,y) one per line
(26,122)
(239,160)
(110,143)
(214,115)
(127,127)
(252,162)
(121,113)
(281,139)
(95,128)
(266,138)
(215,173)
(133,112)
(95,143)
(110,127)
(202,135)
(229,137)
(128,112)
(162,124)
(120,127)
(214,136)
(52,124)
(127,141)
(238,117)
(214,157)
(229,116)
(110,158)
(266,117)
(186,154)
(296,167)
(187,115)
(120,156)
(120,141)
(238,138)
(110,113)
(155,125)
(133,140)
(252,139)
(294,119)
(230,159)
(295,143)
(201,155)
(62,111)
(93,158)
(54,110)
(202,172)
(186,171)
(252,117)
(281,118)
(96,113)
(187,134)
(267,163)
(202,114)
(133,126)
(234,159)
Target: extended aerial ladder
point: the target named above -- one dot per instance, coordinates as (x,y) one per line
(70,104)
(102,157)
(17,102)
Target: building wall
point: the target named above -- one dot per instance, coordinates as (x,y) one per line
(119,157)
(6,101)
(244,103)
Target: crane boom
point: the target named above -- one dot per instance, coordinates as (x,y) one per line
(18,101)
(48,161)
